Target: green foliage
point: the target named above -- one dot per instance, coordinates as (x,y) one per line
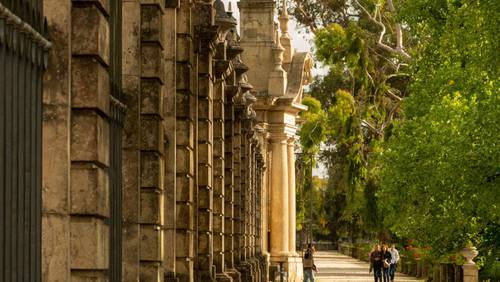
(440,170)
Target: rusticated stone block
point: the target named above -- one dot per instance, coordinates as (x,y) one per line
(183,76)
(205,109)
(151,206)
(131,43)
(151,97)
(89,137)
(205,84)
(151,133)
(184,215)
(184,243)
(131,185)
(56,246)
(89,190)
(151,272)
(89,243)
(131,246)
(90,32)
(183,47)
(185,132)
(151,23)
(183,109)
(205,132)
(205,199)
(151,170)
(184,189)
(102,4)
(89,84)
(185,160)
(204,175)
(130,97)
(151,243)
(204,239)
(86,276)
(152,62)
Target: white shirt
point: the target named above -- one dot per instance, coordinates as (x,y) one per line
(394,255)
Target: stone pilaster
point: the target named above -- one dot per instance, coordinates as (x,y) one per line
(131,77)
(90,87)
(170,125)
(56,130)
(152,142)
(229,182)
(186,102)
(205,34)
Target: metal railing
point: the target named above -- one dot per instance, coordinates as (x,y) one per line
(23,48)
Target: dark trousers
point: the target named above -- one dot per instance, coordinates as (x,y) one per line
(377,274)
(392,270)
(386,274)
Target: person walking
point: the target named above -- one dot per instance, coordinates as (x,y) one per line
(376,263)
(308,262)
(386,258)
(394,261)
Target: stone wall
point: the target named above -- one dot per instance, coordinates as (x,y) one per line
(206,159)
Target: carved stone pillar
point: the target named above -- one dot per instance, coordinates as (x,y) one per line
(279,199)
(186,102)
(206,36)
(291,197)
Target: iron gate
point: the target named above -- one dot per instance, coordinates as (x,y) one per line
(116,125)
(23,49)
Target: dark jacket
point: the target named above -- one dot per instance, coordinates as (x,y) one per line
(376,259)
(387,256)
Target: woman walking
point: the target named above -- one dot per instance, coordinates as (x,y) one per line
(376,263)
(386,257)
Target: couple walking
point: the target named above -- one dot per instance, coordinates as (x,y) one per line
(383,262)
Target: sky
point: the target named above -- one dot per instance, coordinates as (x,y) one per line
(302,42)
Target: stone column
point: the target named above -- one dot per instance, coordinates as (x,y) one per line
(291,196)
(185,137)
(90,142)
(169,108)
(205,50)
(131,78)
(229,183)
(279,199)
(152,142)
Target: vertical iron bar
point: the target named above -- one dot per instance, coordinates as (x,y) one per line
(3,94)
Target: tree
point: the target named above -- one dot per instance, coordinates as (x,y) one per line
(362,44)
(440,174)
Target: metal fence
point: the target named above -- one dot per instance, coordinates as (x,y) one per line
(23,49)
(116,125)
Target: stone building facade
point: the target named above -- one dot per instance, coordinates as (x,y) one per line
(168,142)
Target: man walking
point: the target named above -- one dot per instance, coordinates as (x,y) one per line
(308,262)
(394,261)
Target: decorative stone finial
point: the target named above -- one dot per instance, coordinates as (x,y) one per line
(469,254)
(283,19)
(278,54)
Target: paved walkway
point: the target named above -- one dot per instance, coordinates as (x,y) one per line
(336,267)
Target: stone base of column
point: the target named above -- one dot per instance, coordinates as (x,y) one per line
(292,263)
(235,274)
(246,271)
(206,276)
(264,266)
(223,277)
(470,273)
(255,268)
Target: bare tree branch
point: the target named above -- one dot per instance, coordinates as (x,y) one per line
(399,35)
